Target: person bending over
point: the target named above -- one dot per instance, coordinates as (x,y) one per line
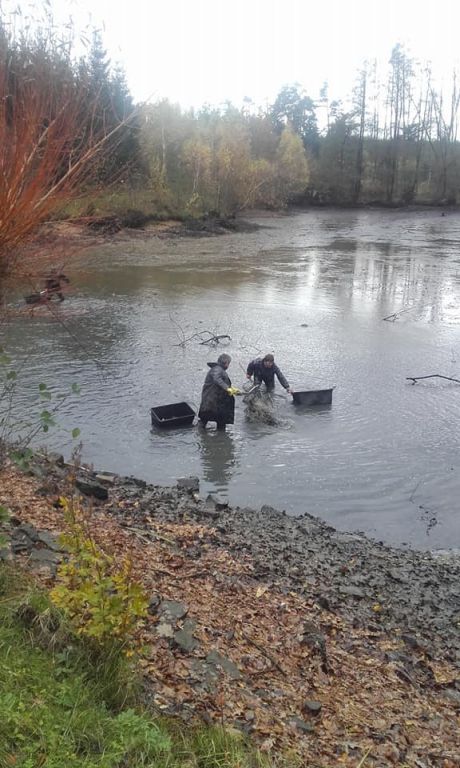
(264,370)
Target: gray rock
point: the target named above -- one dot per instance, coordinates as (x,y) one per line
(170,609)
(219,502)
(352,592)
(106,478)
(154,603)
(301,725)
(346,538)
(185,640)
(411,641)
(189,625)
(189,483)
(6,555)
(134,481)
(206,674)
(215,658)
(453,696)
(89,488)
(165,630)
(312,707)
(323,602)
(211,514)
(267,510)
(27,530)
(20,541)
(49,540)
(45,556)
(20,546)
(396,575)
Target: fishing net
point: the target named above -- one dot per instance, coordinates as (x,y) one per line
(260,406)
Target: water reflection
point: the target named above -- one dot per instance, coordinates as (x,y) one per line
(218,457)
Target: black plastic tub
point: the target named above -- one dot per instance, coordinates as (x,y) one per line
(172,415)
(313,397)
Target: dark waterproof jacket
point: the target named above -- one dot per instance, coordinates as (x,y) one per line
(216,404)
(261,374)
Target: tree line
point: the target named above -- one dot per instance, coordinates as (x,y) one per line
(69,124)
(394,143)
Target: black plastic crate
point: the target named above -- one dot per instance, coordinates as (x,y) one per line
(172,415)
(313,397)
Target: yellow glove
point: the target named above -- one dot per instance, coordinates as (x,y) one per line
(233,391)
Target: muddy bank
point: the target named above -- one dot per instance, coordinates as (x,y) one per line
(60,241)
(205,226)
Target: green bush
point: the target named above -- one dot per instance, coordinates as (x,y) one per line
(100,597)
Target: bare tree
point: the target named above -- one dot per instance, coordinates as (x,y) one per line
(398,100)
(45,155)
(360,103)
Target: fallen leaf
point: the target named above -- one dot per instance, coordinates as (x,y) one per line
(261,590)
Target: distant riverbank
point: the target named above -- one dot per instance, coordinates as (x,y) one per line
(85,231)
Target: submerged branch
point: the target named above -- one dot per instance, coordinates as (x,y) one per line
(414,379)
(391,318)
(213,340)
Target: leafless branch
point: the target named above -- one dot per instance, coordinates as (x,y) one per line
(414,379)
(264,652)
(213,339)
(391,318)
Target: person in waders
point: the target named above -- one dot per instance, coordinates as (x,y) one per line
(217,396)
(264,369)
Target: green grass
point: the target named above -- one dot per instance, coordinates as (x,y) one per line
(61,707)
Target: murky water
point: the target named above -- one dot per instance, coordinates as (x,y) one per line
(313,288)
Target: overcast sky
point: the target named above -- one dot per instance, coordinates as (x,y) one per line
(210,51)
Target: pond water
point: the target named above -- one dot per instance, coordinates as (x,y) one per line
(313,288)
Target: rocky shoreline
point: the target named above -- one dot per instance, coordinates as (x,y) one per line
(378,586)
(282,627)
